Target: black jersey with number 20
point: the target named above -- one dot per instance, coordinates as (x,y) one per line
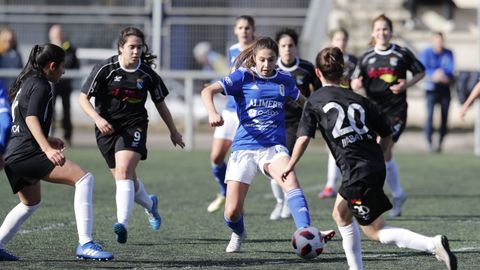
(120,94)
(349,124)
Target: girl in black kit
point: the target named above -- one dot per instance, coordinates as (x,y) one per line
(32,155)
(382,71)
(349,123)
(120,85)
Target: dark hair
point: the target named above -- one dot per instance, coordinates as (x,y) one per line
(247,18)
(438,33)
(287,32)
(147,56)
(339,30)
(246,57)
(381,17)
(330,62)
(40,56)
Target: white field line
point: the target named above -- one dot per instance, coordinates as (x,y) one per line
(47,228)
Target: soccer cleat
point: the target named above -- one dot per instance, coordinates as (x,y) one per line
(5,256)
(216,204)
(121,232)
(397,203)
(153,216)
(285,211)
(277,211)
(443,253)
(327,235)
(327,192)
(92,251)
(236,242)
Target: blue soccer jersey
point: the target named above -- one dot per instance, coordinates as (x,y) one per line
(233,52)
(5,118)
(260,107)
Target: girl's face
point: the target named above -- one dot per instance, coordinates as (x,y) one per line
(244,32)
(381,33)
(131,51)
(287,49)
(339,40)
(54,71)
(265,60)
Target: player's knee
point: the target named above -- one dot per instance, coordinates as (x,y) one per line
(232,214)
(122,172)
(341,220)
(216,159)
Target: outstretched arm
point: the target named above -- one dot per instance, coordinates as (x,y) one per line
(300,146)
(471,98)
(164,112)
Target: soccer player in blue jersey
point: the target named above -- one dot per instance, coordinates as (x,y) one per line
(349,123)
(222,138)
(5,121)
(260,93)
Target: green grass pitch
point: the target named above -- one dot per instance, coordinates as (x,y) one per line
(443,197)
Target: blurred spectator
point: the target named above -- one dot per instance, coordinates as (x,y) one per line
(209,59)
(412,5)
(9,55)
(439,64)
(5,121)
(64,87)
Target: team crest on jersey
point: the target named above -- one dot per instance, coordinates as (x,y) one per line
(282,90)
(228,81)
(393,61)
(117,78)
(299,79)
(140,83)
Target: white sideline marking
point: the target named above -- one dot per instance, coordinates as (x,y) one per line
(47,228)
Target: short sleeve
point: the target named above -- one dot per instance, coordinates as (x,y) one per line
(413,64)
(93,84)
(39,99)
(292,90)
(232,84)
(158,91)
(308,123)
(359,69)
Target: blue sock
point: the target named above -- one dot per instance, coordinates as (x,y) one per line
(218,172)
(237,226)
(298,207)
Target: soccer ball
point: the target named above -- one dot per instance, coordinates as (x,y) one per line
(308,242)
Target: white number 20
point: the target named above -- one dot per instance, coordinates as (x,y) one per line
(352,108)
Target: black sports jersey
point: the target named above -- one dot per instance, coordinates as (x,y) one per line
(382,69)
(303,73)
(349,124)
(34,98)
(120,94)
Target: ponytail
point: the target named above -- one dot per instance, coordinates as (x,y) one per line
(40,56)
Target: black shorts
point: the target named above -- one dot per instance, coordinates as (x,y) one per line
(27,172)
(397,123)
(133,138)
(366,199)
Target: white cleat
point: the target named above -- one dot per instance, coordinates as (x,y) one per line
(327,235)
(285,211)
(216,204)
(443,253)
(277,212)
(236,242)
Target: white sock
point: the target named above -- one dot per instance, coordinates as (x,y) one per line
(125,199)
(404,238)
(141,196)
(14,220)
(83,208)
(352,245)
(277,191)
(392,178)
(333,173)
